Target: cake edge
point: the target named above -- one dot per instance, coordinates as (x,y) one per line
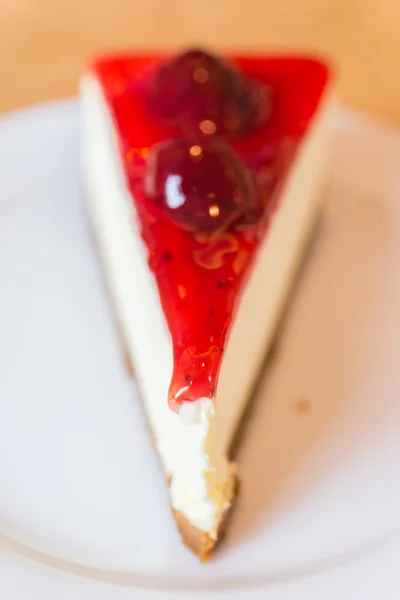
(199,541)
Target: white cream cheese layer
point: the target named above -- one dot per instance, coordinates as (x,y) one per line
(194,444)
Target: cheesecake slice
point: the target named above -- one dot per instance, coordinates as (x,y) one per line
(203,179)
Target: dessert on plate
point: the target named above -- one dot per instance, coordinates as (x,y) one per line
(204,179)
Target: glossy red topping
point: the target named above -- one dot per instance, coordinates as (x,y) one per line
(199,255)
(202,93)
(201,184)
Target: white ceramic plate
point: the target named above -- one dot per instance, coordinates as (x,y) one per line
(81,492)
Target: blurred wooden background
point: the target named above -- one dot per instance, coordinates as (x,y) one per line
(44,43)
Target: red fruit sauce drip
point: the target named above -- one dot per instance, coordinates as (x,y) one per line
(201,276)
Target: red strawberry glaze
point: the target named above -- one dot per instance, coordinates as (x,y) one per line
(200,276)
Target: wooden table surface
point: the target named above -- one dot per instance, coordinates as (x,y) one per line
(44,43)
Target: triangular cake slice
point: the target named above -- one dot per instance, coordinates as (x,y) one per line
(203,183)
